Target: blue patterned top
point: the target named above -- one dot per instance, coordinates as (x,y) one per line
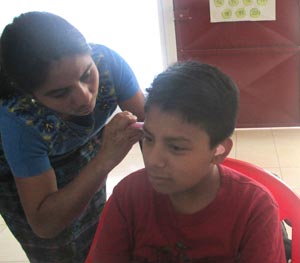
(32,134)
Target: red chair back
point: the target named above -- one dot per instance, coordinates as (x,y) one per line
(288,201)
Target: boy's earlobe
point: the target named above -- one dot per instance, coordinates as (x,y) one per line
(222,150)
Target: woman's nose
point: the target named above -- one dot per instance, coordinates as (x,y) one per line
(82,95)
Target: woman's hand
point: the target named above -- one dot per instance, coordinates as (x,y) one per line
(118,138)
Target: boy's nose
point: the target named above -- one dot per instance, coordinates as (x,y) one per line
(155,157)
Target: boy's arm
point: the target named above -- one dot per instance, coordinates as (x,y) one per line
(111,243)
(263,241)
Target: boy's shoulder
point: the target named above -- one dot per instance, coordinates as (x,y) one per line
(135,193)
(239,178)
(241,185)
(134,183)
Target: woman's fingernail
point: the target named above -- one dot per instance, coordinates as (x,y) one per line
(137,125)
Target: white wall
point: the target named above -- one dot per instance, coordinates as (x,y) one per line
(131,27)
(167,31)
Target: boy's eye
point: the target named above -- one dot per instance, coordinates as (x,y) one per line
(147,138)
(176,148)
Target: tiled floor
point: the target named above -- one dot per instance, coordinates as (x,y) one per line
(277,150)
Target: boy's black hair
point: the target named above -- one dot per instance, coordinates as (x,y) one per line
(202,95)
(29,44)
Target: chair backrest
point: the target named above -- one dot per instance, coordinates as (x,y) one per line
(288,201)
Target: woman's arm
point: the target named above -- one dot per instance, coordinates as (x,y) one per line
(49,209)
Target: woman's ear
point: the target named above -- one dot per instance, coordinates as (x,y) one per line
(222,150)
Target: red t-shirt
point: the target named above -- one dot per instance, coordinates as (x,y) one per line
(140,225)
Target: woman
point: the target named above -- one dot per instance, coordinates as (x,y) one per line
(57,93)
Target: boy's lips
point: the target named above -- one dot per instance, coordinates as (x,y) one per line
(157,179)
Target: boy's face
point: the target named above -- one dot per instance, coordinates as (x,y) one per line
(177,155)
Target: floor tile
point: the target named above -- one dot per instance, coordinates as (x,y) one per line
(10,250)
(232,153)
(297,191)
(291,176)
(287,142)
(132,162)
(256,146)
(2,227)
(2,221)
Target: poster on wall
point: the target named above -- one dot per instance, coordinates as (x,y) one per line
(242,10)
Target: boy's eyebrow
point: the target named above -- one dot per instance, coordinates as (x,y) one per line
(51,92)
(179,139)
(170,138)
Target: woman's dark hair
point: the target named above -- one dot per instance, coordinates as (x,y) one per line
(201,94)
(29,44)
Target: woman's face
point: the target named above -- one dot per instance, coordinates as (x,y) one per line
(71,86)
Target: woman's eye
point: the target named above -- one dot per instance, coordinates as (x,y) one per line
(61,93)
(86,77)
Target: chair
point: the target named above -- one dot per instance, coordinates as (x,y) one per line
(288,201)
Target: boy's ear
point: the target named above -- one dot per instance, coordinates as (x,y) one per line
(222,150)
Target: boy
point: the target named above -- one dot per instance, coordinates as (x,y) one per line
(185,206)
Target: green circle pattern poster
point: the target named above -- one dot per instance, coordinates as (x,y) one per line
(242,10)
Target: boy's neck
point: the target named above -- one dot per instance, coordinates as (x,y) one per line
(197,198)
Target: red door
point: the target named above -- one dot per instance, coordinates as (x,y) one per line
(262,57)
